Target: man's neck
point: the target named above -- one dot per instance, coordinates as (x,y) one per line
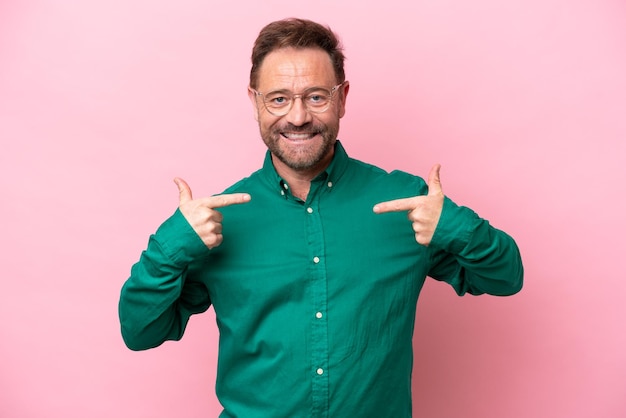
(299,180)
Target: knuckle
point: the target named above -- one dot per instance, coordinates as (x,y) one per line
(216,216)
(220,200)
(211,240)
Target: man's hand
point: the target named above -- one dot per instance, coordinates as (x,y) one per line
(201,213)
(424,211)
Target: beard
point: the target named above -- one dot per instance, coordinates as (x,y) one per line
(307,155)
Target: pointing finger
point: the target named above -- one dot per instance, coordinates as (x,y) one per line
(223,200)
(184,191)
(398,205)
(434,182)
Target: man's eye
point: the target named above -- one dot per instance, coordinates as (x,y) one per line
(277,100)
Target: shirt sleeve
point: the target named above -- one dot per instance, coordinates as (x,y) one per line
(159,297)
(473,256)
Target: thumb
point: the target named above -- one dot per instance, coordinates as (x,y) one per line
(184,191)
(434,182)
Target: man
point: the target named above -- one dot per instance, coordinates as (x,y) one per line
(310,263)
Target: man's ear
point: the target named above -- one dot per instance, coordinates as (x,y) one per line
(253,100)
(342,98)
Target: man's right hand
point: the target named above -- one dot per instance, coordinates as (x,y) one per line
(201,213)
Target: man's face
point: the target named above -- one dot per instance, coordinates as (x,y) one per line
(302,141)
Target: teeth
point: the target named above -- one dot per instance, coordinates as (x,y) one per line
(297,136)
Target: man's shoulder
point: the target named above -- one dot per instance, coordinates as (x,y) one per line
(377,174)
(245,184)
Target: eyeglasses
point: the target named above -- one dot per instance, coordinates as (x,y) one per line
(315,99)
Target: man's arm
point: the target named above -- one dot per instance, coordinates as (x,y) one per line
(473,256)
(159,297)
(466,251)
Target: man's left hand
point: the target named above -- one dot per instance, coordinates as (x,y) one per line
(424,211)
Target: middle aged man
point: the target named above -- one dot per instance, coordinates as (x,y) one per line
(310,263)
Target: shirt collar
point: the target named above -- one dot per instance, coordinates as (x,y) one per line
(332,174)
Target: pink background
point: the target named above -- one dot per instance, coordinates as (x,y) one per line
(523,102)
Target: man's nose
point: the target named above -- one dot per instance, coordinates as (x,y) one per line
(298,115)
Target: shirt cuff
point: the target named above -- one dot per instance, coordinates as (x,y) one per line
(179,242)
(455,227)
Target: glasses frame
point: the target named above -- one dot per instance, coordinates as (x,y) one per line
(293,98)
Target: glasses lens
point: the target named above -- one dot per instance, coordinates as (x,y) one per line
(317,100)
(278,103)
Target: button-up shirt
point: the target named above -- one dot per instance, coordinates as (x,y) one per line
(315,300)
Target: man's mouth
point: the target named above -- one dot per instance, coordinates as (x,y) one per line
(298,136)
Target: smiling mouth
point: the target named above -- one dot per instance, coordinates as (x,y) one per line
(299,136)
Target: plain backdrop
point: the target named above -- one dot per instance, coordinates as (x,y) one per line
(523,102)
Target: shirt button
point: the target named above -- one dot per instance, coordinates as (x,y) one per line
(330,184)
(282,192)
(318,315)
(316,260)
(310,210)
(286,186)
(320,371)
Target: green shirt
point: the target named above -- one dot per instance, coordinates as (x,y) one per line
(315,301)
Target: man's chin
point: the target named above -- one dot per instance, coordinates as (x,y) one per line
(306,159)
(301,155)
(299,162)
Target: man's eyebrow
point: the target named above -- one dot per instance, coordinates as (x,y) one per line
(290,92)
(279,91)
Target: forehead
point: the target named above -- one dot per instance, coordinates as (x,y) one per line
(296,69)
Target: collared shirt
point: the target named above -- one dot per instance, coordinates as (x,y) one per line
(315,300)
